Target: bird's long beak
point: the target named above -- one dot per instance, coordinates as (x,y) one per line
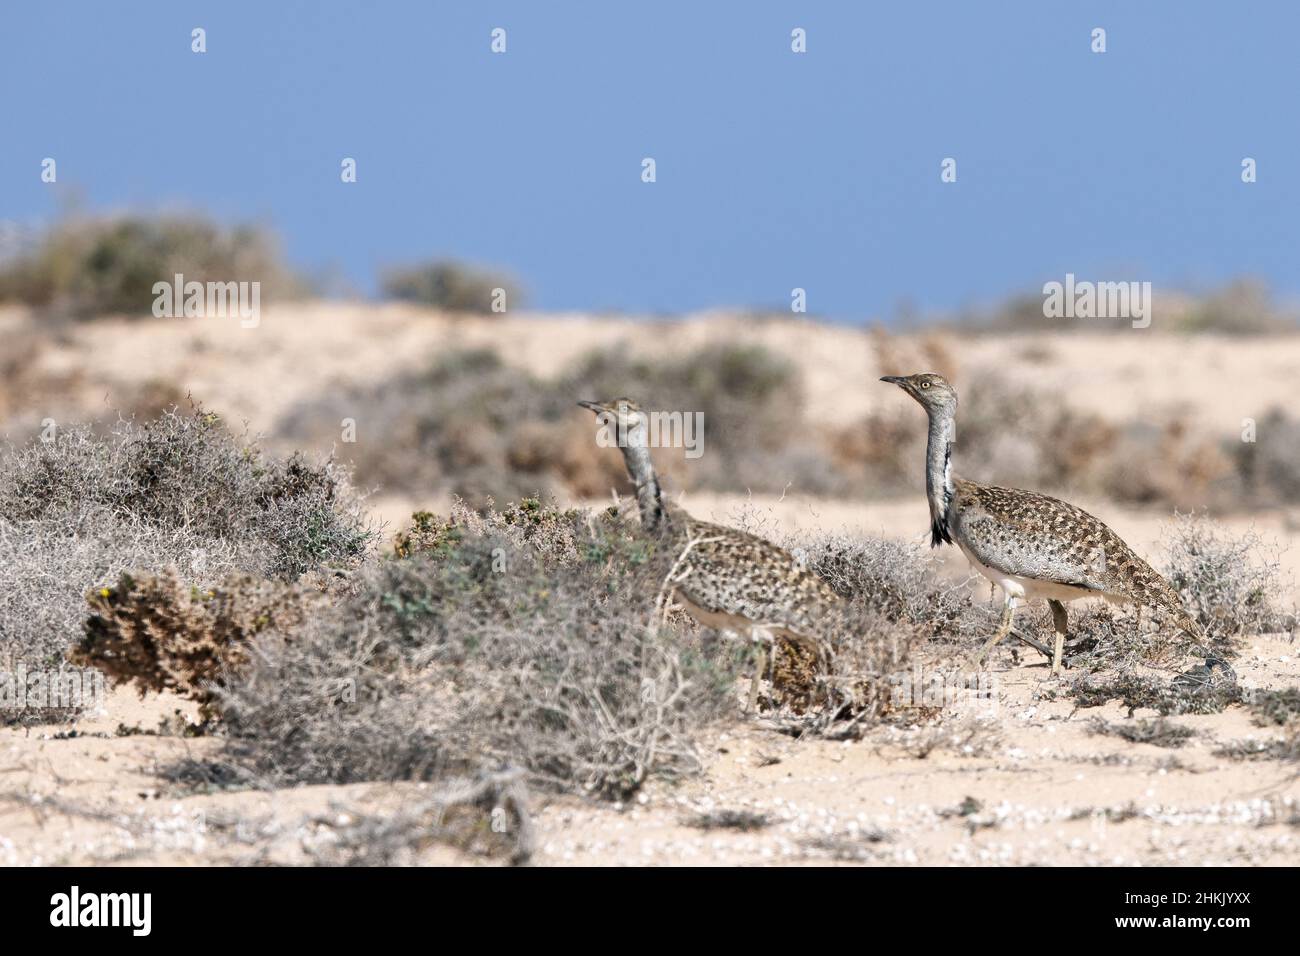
(592,405)
(894,379)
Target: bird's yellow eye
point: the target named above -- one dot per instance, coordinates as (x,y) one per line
(925,384)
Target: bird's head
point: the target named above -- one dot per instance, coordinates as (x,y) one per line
(930,390)
(623,413)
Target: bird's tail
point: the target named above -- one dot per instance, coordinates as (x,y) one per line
(1187,624)
(1149,587)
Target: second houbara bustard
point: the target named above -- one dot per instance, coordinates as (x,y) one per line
(725,579)
(1028,544)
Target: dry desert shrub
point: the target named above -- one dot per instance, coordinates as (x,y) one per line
(1030,438)
(474,427)
(1274,707)
(1242,306)
(1285,748)
(751,398)
(930,352)
(155,632)
(450,285)
(740,820)
(1204,690)
(1233,585)
(468,425)
(533,637)
(185,471)
(1169,462)
(897,579)
(502,646)
(557,536)
(751,402)
(89,266)
(885,450)
(78,511)
(848,687)
(1269,466)
(486,815)
(1159,732)
(938,352)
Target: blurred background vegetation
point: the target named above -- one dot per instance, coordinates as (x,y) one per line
(469,423)
(86,266)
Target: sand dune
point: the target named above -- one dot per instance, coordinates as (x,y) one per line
(257,374)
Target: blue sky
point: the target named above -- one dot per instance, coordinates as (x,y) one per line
(775,170)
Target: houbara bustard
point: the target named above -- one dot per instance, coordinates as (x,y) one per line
(725,579)
(1029,545)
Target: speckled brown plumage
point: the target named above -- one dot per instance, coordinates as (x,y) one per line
(736,577)
(726,579)
(1037,536)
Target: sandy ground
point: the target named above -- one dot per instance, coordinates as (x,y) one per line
(1047,790)
(1016,780)
(1041,787)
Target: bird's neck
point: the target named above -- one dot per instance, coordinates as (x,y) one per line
(636,453)
(938,474)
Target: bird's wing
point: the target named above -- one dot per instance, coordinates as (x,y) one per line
(1036,536)
(1039,537)
(739,573)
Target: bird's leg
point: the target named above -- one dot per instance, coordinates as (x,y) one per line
(1059,620)
(760,639)
(1008,609)
(752,702)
